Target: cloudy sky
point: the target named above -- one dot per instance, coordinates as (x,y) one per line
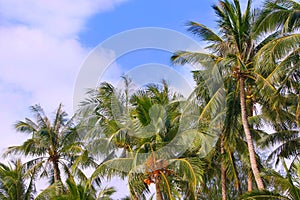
(44,44)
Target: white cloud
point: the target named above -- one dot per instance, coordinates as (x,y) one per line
(57,17)
(44,65)
(12,103)
(40,55)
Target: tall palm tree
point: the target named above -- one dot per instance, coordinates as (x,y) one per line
(13,182)
(231,146)
(277,65)
(52,144)
(231,52)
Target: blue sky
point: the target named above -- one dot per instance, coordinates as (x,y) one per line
(145,13)
(44,44)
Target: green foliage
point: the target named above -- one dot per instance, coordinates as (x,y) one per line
(13,184)
(248,78)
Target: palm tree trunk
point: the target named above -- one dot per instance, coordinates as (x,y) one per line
(223,169)
(250,186)
(249,179)
(56,174)
(253,162)
(56,171)
(158,192)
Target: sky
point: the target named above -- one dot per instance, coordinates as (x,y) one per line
(45,44)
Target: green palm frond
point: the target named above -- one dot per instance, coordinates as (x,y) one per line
(203,32)
(50,192)
(14,184)
(114,167)
(193,58)
(59,119)
(53,144)
(105,193)
(29,148)
(41,118)
(27,127)
(278,14)
(281,49)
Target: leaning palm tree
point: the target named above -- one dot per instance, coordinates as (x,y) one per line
(231,52)
(13,180)
(53,145)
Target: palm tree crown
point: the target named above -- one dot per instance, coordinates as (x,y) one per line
(53,144)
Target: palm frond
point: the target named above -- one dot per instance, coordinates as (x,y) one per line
(203,32)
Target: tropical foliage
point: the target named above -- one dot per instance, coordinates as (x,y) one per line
(235,137)
(13,181)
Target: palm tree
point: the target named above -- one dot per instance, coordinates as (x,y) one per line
(277,66)
(286,186)
(85,190)
(277,62)
(160,112)
(230,147)
(52,144)
(282,15)
(13,182)
(148,124)
(231,52)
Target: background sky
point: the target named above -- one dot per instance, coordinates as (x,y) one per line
(44,43)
